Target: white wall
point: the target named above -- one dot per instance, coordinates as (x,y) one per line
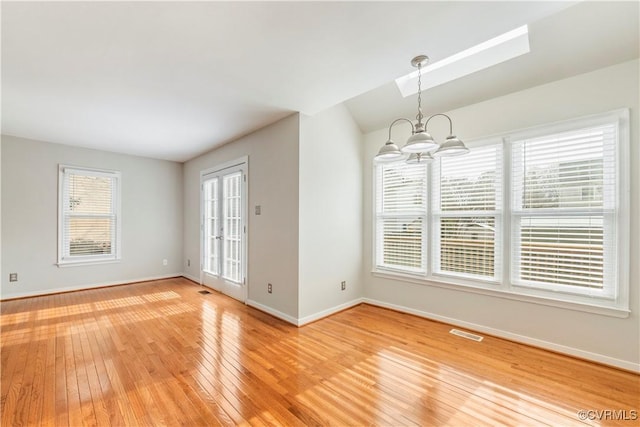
(151,218)
(273,235)
(330,241)
(611,340)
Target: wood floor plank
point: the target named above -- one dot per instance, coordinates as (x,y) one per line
(160,353)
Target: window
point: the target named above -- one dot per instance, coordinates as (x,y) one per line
(89,216)
(564,211)
(541,214)
(467,223)
(401,216)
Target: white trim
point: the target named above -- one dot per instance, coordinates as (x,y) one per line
(460,285)
(571,351)
(222,166)
(91,261)
(90,286)
(328,312)
(192,278)
(272,311)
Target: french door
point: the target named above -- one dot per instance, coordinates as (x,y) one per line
(224,230)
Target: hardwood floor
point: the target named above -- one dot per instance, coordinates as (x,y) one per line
(160,353)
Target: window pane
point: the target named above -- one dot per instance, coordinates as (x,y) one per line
(231,199)
(403,188)
(402,243)
(565,250)
(469,182)
(212,224)
(568,170)
(89,194)
(467,245)
(89,236)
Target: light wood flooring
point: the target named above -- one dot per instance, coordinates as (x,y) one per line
(160,353)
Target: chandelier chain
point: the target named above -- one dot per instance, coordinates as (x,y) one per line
(419,117)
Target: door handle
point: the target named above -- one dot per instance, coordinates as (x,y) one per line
(218,237)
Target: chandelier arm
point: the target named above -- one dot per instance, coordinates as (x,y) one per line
(399,120)
(441,114)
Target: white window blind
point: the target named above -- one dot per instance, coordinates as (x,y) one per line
(401,210)
(89,215)
(466,213)
(564,202)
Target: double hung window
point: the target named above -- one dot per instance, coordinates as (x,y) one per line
(89,215)
(540,213)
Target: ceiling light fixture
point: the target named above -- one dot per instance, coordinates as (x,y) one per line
(421,146)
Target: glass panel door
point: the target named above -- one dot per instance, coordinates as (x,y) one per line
(224,230)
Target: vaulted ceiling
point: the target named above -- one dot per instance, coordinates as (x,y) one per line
(171,80)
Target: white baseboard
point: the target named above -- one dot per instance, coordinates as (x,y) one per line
(190,277)
(272,311)
(575,352)
(328,312)
(89,286)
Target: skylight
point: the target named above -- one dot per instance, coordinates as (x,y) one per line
(484,55)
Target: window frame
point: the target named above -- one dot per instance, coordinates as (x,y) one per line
(616,305)
(68,260)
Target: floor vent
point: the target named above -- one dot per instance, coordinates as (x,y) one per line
(204,292)
(466,335)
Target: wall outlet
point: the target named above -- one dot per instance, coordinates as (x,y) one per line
(13,277)
(343,285)
(188,263)
(269,288)
(258,210)
(165,262)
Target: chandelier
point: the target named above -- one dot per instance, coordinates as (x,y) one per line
(421,147)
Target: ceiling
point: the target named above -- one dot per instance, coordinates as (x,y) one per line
(171,80)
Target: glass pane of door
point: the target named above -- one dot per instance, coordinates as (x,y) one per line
(211,227)
(232,238)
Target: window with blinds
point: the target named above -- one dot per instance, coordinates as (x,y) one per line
(564,210)
(466,207)
(401,211)
(89,215)
(542,212)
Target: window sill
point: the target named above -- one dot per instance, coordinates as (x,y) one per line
(448,283)
(64,264)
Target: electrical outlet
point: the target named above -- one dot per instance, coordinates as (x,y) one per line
(165,262)
(343,285)
(13,277)
(258,210)
(269,287)
(188,263)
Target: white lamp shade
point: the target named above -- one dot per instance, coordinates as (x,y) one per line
(451,147)
(389,152)
(420,142)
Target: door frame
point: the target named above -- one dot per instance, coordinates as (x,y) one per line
(241,161)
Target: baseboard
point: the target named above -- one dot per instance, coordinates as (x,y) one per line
(90,286)
(272,311)
(581,354)
(192,278)
(328,312)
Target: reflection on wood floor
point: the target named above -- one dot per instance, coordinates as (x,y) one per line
(160,353)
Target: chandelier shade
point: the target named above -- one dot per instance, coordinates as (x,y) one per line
(389,152)
(451,147)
